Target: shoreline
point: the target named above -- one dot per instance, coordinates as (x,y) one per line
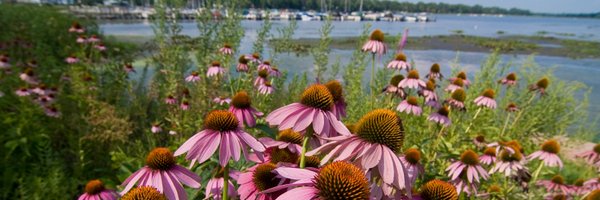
(509,44)
(506,44)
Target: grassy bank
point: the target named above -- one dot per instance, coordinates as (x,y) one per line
(515,44)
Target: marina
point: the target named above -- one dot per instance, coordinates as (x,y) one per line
(141,13)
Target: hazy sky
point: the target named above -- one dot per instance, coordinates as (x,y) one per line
(550,6)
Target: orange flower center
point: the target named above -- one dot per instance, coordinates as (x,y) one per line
(317,96)
(342,180)
(221,120)
(160,159)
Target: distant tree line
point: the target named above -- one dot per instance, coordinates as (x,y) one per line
(381,5)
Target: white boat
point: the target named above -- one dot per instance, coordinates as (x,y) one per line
(410,19)
(306,17)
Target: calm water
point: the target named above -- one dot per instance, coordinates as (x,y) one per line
(582,70)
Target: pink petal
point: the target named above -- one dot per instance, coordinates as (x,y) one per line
(371,159)
(189,143)
(295,173)
(299,193)
(251,141)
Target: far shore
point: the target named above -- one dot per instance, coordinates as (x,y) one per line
(508,44)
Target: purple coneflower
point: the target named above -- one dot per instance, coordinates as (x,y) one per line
(170,100)
(512,107)
(76,28)
(184,105)
(510,146)
(435,72)
(71,59)
(437,189)
(94,38)
(393,88)
(556,184)
(28,76)
(431,98)
(256,180)
(454,85)
(215,69)
(486,99)
(313,111)
(338,180)
(261,78)
(193,77)
(399,63)
(81,39)
(540,86)
(508,163)
(548,154)
(441,116)
(462,75)
(375,44)
(128,68)
(578,187)
(412,162)
(479,141)
(241,107)
(255,58)
(457,99)
(155,128)
(266,88)
(23,91)
(95,190)
(509,80)
(51,111)
(412,81)
(144,193)
(378,136)
(100,47)
(214,187)
(410,105)
(489,156)
(285,139)
(226,50)
(163,173)
(339,104)
(221,130)
(592,184)
(222,100)
(265,65)
(40,89)
(4,61)
(469,166)
(592,156)
(242,65)
(275,72)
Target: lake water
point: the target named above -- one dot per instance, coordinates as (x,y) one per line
(582,70)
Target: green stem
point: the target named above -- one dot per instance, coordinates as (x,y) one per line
(537,172)
(225,182)
(505,125)
(372,83)
(521,111)
(304,144)
(474,117)
(439,136)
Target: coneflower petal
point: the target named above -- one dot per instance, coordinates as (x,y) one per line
(186,177)
(187,145)
(372,159)
(299,193)
(251,141)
